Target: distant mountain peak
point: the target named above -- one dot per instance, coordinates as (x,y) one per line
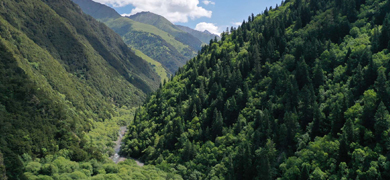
(208,32)
(204,36)
(149,15)
(145,12)
(96,9)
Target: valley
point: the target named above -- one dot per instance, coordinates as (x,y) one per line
(299,91)
(151,34)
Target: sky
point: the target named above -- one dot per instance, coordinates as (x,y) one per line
(212,15)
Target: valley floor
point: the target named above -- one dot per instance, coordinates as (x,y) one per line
(118,158)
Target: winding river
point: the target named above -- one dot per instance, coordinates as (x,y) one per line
(117,158)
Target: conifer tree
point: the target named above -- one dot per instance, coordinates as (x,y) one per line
(382,120)
(217,124)
(384,37)
(381,86)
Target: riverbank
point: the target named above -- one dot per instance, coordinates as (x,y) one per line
(116,157)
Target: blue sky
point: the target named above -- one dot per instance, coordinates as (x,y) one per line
(212,15)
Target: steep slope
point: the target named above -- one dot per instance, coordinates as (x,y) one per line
(153,42)
(97,10)
(165,25)
(60,71)
(157,66)
(205,36)
(170,46)
(298,92)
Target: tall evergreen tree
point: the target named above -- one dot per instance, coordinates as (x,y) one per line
(382,120)
(384,37)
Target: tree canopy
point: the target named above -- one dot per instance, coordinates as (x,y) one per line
(297,92)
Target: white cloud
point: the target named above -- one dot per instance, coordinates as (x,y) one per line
(209,27)
(173,10)
(206,2)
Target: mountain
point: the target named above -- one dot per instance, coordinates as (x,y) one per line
(97,10)
(205,36)
(61,73)
(158,39)
(300,91)
(165,25)
(153,42)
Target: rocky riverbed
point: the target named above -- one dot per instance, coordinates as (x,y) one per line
(117,158)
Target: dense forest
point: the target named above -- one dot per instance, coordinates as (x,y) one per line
(300,91)
(67,82)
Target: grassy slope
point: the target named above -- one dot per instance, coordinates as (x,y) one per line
(152,41)
(157,66)
(160,40)
(165,25)
(137,26)
(166,36)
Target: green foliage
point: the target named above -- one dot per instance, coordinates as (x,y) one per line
(163,24)
(60,72)
(59,167)
(157,66)
(149,33)
(152,41)
(298,92)
(2,168)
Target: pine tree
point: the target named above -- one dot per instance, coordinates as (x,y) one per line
(306,106)
(305,175)
(381,86)
(316,130)
(257,62)
(318,74)
(302,74)
(358,82)
(370,98)
(376,42)
(349,131)
(264,169)
(382,120)
(343,149)
(217,124)
(384,37)
(371,72)
(290,120)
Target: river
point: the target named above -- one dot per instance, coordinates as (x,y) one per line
(117,158)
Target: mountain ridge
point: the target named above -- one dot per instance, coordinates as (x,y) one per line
(165,25)
(61,72)
(160,40)
(204,36)
(97,10)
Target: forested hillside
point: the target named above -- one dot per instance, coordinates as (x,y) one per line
(61,74)
(149,33)
(300,91)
